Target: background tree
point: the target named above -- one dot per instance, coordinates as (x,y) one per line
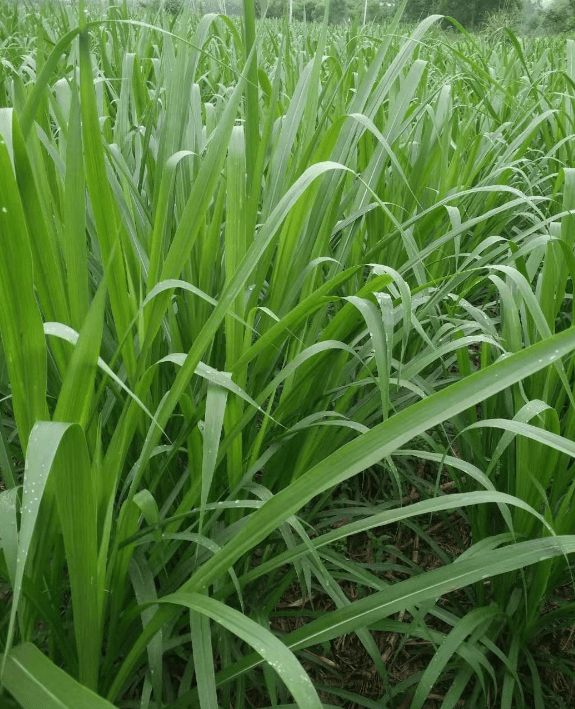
(339,11)
(471,13)
(532,17)
(375,10)
(560,17)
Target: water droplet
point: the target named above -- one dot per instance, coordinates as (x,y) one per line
(4,210)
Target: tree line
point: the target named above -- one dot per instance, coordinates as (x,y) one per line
(524,15)
(470,13)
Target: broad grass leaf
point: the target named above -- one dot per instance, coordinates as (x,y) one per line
(271,649)
(20,320)
(35,681)
(61,448)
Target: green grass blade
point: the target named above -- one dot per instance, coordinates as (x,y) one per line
(35,681)
(266,645)
(20,322)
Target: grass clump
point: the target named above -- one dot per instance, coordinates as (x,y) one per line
(287,362)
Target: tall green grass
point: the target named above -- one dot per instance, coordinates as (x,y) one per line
(254,279)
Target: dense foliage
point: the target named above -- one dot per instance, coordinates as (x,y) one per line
(340,10)
(525,16)
(287,377)
(560,16)
(471,13)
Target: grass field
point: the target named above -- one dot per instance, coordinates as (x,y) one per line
(287,373)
